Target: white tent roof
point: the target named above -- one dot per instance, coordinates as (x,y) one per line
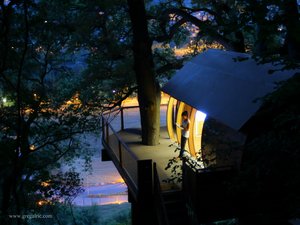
(216,84)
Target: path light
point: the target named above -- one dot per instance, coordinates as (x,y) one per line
(4,100)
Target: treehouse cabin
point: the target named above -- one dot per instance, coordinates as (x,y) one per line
(221,91)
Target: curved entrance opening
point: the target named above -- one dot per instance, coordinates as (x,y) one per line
(197,118)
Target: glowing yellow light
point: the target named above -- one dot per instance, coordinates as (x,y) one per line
(119,180)
(43,202)
(45,184)
(133,101)
(74,100)
(32,147)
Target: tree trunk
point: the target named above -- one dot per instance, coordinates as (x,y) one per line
(262,28)
(148,87)
(292,42)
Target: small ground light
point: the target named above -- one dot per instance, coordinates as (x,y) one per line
(4,100)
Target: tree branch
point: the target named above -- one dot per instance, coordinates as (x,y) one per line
(119,101)
(206,28)
(168,35)
(178,64)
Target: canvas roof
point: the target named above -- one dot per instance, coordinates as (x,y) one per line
(215,83)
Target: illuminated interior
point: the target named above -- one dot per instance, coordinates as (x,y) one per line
(196,131)
(197,118)
(171,117)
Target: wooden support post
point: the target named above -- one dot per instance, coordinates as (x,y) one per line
(102,126)
(107,133)
(135,213)
(145,176)
(120,154)
(145,213)
(183,168)
(122,118)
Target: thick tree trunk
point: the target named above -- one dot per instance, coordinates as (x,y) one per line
(148,88)
(292,42)
(262,28)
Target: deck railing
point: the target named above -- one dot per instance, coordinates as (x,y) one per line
(209,186)
(120,111)
(141,176)
(125,161)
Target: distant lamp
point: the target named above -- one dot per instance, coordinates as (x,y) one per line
(45,184)
(4,100)
(32,147)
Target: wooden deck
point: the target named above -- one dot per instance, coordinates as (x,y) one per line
(160,154)
(143,169)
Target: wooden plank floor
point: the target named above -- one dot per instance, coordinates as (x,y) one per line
(161,154)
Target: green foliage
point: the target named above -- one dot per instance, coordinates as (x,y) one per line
(39,131)
(107,37)
(175,167)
